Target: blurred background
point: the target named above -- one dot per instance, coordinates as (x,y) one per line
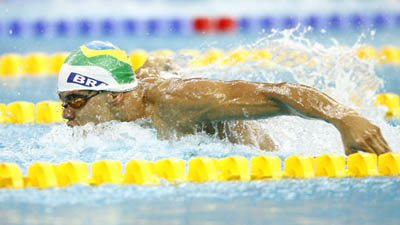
(42,25)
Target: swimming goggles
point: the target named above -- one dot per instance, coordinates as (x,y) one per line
(77,101)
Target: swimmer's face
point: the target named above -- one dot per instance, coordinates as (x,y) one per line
(82,107)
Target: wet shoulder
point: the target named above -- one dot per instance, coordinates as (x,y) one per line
(161,88)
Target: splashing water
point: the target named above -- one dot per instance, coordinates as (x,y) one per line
(334,69)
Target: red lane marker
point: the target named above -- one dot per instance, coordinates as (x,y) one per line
(225,24)
(202,24)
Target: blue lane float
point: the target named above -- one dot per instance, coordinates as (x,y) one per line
(267,23)
(335,21)
(62,27)
(15,28)
(154,26)
(130,26)
(108,26)
(290,22)
(397,20)
(177,25)
(357,21)
(40,27)
(380,20)
(313,21)
(244,24)
(199,25)
(85,27)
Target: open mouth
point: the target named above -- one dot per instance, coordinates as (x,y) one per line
(72,123)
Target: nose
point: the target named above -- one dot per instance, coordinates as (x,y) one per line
(68,113)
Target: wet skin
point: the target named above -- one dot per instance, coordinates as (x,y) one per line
(179,107)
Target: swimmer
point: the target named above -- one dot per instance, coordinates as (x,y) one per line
(96,84)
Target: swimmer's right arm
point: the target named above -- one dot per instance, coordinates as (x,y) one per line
(154,65)
(187,101)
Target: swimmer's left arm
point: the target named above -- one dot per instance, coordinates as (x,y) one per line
(210,100)
(357,132)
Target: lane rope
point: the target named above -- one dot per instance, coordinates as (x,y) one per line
(199,169)
(42,27)
(39,64)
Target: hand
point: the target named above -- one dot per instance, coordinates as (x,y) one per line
(359,134)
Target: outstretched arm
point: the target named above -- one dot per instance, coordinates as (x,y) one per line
(184,102)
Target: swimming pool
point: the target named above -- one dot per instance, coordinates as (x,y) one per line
(369,200)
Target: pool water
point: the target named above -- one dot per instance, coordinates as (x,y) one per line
(294,201)
(313,201)
(371,200)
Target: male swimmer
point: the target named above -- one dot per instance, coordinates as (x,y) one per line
(96,84)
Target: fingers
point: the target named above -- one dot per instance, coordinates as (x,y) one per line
(366,147)
(380,145)
(374,143)
(377,142)
(367,139)
(373,146)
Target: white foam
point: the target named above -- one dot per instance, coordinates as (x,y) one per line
(337,71)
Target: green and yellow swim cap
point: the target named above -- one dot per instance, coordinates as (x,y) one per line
(97,66)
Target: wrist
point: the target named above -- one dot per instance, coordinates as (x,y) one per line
(345,118)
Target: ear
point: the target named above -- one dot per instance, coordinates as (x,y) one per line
(115,98)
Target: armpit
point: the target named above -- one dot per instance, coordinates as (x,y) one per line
(241,132)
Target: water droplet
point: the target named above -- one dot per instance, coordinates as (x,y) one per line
(373,32)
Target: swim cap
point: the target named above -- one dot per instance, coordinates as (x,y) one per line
(97,66)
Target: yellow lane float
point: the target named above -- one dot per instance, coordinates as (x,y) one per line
(3,109)
(265,166)
(299,166)
(203,169)
(140,172)
(27,112)
(20,112)
(49,112)
(13,64)
(37,64)
(363,164)
(234,168)
(171,169)
(200,169)
(106,171)
(138,58)
(330,165)
(41,175)
(10,176)
(72,172)
(389,164)
(391,101)
(56,61)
